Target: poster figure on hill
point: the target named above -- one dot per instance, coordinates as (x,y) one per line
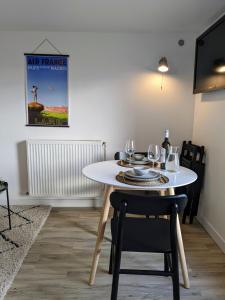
(47,90)
(34,92)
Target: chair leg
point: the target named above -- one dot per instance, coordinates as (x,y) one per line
(9,215)
(191,219)
(111,262)
(175,276)
(166,263)
(169,262)
(184,218)
(116,273)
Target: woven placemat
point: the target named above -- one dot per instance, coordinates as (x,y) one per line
(161,180)
(126,164)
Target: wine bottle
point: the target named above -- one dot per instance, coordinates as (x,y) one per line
(166,146)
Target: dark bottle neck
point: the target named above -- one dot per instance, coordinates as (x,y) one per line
(166,139)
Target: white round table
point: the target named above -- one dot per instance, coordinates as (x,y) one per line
(105,172)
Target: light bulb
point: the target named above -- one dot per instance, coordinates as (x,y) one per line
(163,68)
(163,65)
(220,69)
(219,65)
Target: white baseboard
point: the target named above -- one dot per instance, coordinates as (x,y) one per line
(212,232)
(57,202)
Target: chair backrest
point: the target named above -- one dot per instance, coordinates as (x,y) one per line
(191,153)
(147,205)
(3,186)
(120,155)
(192,157)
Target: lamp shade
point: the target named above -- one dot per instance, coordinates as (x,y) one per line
(163,65)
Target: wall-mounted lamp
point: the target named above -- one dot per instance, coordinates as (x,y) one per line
(163,68)
(163,65)
(219,65)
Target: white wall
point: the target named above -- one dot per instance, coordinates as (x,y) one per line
(114,93)
(209,120)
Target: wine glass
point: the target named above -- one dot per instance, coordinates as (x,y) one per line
(130,148)
(153,153)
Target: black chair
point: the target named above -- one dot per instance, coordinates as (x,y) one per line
(192,157)
(135,234)
(4,187)
(120,155)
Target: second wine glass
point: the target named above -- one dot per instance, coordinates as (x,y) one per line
(130,148)
(153,153)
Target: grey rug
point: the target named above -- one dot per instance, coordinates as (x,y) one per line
(27,221)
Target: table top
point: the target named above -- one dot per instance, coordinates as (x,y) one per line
(105,172)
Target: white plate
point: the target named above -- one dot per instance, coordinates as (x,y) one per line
(152,175)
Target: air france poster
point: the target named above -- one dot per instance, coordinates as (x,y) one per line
(47,90)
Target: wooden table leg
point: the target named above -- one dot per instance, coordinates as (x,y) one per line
(101,231)
(181,249)
(162,192)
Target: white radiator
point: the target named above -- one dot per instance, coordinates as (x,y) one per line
(55,168)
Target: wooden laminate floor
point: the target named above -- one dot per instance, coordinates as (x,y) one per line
(58,264)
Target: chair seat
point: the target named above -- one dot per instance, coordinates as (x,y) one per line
(136,232)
